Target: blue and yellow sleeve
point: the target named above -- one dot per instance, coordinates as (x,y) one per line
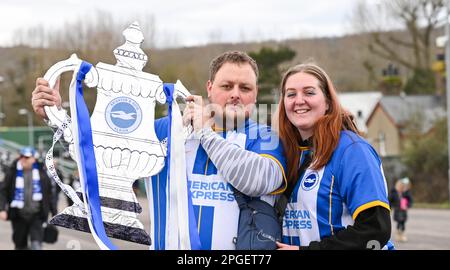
(269,145)
(361,179)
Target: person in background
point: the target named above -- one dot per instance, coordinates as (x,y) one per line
(401,200)
(26,200)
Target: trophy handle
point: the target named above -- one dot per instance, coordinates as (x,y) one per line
(180,90)
(54,114)
(60,118)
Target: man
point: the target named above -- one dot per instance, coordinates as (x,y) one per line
(25,199)
(235,151)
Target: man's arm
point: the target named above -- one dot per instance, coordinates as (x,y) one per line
(42,96)
(247,171)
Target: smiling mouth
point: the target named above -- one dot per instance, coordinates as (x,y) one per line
(301,111)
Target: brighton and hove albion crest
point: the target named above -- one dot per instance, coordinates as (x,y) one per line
(115,145)
(310,181)
(123,115)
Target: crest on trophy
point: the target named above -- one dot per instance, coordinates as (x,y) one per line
(115,145)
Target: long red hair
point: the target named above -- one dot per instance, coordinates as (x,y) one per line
(327,129)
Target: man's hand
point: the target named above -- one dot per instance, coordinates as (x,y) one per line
(197,114)
(43,95)
(3,215)
(282,246)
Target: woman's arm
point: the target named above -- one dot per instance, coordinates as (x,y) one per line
(373,224)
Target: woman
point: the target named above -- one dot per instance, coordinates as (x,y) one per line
(400,200)
(339,199)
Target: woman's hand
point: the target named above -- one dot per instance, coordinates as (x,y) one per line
(282,246)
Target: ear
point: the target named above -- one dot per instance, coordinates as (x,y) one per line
(209,88)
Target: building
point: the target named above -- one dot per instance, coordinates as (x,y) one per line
(395,116)
(361,105)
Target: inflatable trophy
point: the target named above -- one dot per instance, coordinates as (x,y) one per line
(124,141)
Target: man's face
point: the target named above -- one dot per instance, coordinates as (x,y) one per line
(27,162)
(233,90)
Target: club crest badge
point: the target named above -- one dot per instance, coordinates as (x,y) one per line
(310,181)
(123,115)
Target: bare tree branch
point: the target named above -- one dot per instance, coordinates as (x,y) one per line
(419,18)
(400,42)
(388,53)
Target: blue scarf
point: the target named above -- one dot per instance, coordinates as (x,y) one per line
(19,194)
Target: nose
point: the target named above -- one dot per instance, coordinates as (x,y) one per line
(235,94)
(299,99)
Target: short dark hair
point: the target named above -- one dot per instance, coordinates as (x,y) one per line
(234,57)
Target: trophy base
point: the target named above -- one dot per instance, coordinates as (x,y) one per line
(117,231)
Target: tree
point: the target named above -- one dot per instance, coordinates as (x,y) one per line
(92,37)
(426,159)
(413,51)
(269,61)
(20,80)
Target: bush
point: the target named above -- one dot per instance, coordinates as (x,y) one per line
(426,159)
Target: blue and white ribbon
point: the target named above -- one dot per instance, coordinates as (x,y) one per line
(85,157)
(181,226)
(51,170)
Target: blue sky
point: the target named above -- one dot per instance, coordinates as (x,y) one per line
(193,22)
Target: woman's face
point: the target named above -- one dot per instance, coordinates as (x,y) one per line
(304,102)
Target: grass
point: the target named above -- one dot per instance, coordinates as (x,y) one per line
(444,205)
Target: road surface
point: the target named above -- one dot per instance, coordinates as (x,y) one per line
(427,229)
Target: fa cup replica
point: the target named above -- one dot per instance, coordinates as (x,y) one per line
(123,137)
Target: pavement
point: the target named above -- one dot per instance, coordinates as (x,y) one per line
(426,229)
(75,240)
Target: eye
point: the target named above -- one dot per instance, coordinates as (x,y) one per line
(290,94)
(226,86)
(310,91)
(246,88)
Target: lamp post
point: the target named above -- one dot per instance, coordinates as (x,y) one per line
(447,79)
(441,42)
(2,115)
(30,125)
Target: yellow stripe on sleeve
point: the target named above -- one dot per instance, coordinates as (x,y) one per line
(283,187)
(370,205)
